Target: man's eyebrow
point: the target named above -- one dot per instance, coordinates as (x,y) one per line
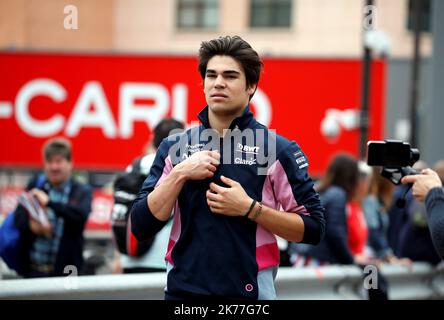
(225,72)
(231,72)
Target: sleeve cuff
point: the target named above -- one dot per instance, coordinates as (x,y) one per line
(312,230)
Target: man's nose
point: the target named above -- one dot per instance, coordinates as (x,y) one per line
(54,166)
(219,83)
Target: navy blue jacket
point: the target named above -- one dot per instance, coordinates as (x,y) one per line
(410,239)
(334,247)
(216,255)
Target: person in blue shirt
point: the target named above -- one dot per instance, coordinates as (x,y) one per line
(56,248)
(233,185)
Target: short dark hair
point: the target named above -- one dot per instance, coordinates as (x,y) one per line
(238,49)
(163,129)
(57,146)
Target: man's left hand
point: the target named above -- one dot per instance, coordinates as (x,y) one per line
(423,183)
(232,201)
(41,196)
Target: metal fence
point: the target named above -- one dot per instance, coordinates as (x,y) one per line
(420,281)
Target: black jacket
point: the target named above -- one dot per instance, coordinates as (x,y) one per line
(75,214)
(410,239)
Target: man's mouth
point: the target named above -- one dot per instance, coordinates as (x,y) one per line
(219,95)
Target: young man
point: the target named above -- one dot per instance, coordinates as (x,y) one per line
(46,250)
(233,185)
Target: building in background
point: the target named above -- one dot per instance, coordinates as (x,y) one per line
(318,28)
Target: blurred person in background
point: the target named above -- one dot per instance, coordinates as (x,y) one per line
(342,188)
(336,189)
(428,187)
(408,226)
(356,223)
(47,251)
(154,259)
(375,207)
(439,169)
(398,214)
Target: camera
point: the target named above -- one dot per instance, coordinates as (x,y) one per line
(391,153)
(394,156)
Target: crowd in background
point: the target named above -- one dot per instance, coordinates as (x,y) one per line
(366,222)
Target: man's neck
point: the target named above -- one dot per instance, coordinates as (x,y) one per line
(219,123)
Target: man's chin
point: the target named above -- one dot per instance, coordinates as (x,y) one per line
(223,110)
(55,180)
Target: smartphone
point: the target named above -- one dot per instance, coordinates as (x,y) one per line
(388,153)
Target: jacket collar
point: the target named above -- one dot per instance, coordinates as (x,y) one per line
(242,122)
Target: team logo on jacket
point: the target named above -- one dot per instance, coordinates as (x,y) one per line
(190,149)
(249,162)
(301,161)
(247,149)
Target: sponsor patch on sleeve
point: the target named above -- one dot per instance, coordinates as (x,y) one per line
(301,160)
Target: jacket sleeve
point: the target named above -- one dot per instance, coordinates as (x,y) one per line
(435,213)
(21,219)
(294,190)
(78,208)
(144,224)
(336,232)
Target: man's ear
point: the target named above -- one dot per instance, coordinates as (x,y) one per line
(251,89)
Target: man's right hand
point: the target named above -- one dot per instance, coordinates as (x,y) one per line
(200,165)
(38,229)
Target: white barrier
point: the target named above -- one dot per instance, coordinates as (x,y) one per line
(420,281)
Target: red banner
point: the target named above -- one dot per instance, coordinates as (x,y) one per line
(107,105)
